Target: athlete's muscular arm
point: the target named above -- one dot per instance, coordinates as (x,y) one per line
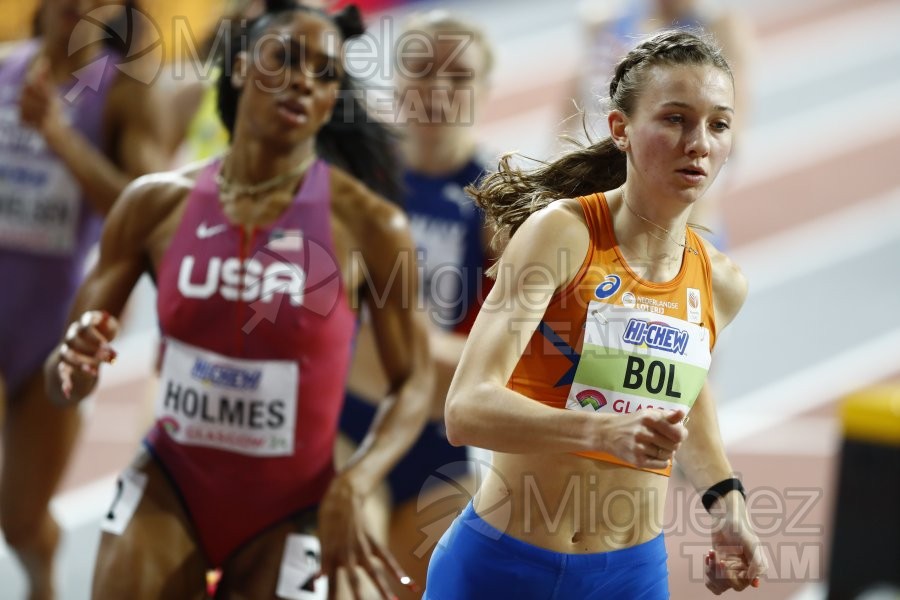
(131,122)
(702,456)
(446,350)
(736,559)
(481,410)
(138,122)
(390,290)
(123,258)
(447,346)
(384,255)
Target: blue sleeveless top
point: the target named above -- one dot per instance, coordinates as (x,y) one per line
(447,228)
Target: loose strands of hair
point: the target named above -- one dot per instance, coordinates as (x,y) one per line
(352,140)
(510,195)
(362,146)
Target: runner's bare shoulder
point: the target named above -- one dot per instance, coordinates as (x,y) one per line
(729,284)
(362,210)
(149,203)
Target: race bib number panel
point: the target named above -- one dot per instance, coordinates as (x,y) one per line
(300,563)
(129,490)
(632,360)
(242,406)
(39,199)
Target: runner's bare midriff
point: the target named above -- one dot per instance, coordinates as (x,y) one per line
(570,504)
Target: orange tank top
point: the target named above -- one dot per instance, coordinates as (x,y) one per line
(611,342)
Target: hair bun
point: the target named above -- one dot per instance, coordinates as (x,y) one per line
(349,20)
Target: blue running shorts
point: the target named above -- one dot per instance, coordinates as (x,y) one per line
(475,561)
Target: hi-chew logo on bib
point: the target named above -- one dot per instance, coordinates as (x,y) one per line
(243,406)
(657,335)
(226,375)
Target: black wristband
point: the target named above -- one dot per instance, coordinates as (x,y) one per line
(720,489)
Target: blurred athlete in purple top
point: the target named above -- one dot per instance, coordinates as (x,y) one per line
(73,133)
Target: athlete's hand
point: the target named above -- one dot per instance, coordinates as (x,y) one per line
(346,545)
(647,438)
(40,106)
(736,559)
(84,348)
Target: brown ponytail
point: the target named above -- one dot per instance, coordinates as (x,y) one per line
(510,195)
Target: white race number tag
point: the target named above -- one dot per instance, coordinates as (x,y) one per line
(40,201)
(300,563)
(129,491)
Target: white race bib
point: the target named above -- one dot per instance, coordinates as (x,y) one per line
(632,359)
(301,561)
(243,406)
(129,491)
(40,201)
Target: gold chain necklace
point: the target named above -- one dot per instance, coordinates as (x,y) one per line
(229,190)
(658,226)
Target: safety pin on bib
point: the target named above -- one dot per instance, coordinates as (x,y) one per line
(596,313)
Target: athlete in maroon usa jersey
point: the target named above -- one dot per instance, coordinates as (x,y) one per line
(250,372)
(260,259)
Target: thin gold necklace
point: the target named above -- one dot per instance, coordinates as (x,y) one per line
(229,190)
(658,226)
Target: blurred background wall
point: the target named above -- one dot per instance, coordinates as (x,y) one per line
(17,16)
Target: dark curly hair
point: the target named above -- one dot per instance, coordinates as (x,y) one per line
(352,139)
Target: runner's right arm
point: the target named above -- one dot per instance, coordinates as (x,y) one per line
(132,122)
(123,258)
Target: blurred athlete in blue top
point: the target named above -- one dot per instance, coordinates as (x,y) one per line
(438,97)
